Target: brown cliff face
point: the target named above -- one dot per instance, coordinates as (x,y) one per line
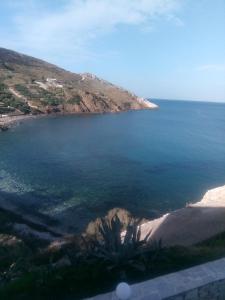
(30,85)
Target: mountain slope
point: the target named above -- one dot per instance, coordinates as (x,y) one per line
(30,85)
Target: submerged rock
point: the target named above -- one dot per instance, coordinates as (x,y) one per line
(3,127)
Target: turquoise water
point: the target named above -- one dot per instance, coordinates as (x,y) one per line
(74,168)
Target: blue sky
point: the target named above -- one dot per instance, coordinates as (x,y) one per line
(156,48)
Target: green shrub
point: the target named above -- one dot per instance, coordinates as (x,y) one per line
(48,98)
(23,90)
(75,100)
(11,102)
(116,248)
(52,101)
(3,87)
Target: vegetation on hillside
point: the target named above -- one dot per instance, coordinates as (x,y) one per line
(79,267)
(10,103)
(48,98)
(49,89)
(24,91)
(75,100)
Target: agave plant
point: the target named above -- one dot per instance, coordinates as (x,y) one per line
(118,247)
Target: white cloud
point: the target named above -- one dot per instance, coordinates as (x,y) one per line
(176,20)
(69,30)
(211,67)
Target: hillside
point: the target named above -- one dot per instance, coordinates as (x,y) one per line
(29,85)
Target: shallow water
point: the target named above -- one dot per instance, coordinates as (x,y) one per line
(75,168)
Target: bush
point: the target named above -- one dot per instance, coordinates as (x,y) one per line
(11,102)
(75,100)
(24,90)
(116,247)
(48,98)
(3,87)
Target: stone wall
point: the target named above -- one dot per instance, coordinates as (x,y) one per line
(211,291)
(203,282)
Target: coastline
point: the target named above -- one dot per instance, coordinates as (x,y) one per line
(183,227)
(10,121)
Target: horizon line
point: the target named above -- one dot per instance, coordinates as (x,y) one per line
(187,100)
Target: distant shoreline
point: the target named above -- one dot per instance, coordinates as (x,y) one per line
(9,121)
(188,100)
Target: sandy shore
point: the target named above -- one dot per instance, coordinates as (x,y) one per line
(192,224)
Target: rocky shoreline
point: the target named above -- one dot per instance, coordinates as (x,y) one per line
(7,122)
(10,121)
(187,226)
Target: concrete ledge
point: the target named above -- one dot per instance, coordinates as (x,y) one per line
(206,281)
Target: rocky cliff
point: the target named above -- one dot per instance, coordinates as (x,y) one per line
(30,85)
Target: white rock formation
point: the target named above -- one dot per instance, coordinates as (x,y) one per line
(147,103)
(192,224)
(213,198)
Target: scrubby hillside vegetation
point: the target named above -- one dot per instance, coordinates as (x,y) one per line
(30,85)
(36,263)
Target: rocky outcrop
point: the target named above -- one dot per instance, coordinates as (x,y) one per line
(192,224)
(212,198)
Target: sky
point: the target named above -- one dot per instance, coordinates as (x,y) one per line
(171,49)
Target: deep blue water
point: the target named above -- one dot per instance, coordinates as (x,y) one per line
(148,162)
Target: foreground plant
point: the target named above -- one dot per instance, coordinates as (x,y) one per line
(117,246)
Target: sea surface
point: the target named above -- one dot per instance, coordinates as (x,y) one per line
(75,168)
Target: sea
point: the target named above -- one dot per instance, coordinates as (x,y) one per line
(72,169)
